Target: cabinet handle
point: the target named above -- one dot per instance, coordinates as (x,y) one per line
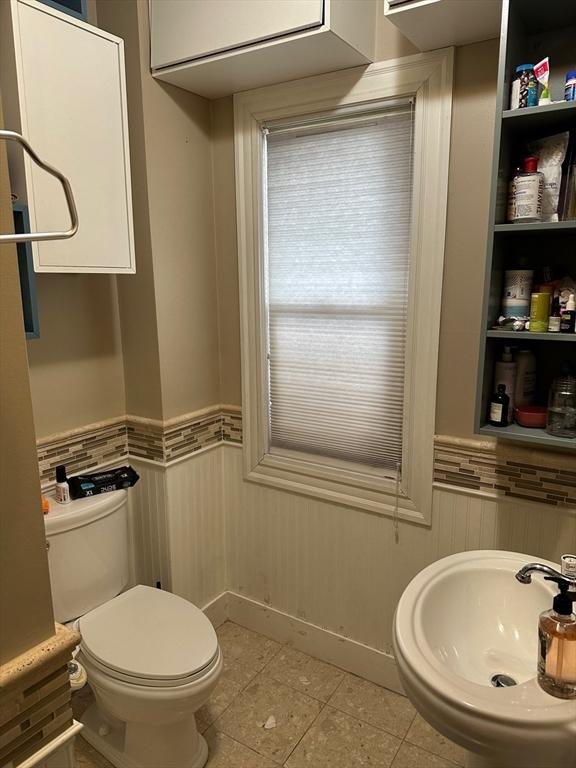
(35,236)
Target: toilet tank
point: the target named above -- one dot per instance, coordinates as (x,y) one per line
(87,542)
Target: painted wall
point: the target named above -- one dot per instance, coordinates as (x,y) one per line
(26,617)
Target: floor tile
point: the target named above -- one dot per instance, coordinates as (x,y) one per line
(87,756)
(242,645)
(423,735)
(374,705)
(337,740)
(410,756)
(235,677)
(263,699)
(298,670)
(224,752)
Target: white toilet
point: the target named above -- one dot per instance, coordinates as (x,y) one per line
(152,658)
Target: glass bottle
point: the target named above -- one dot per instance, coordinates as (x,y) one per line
(561,420)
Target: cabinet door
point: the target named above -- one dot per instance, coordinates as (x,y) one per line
(73,111)
(188,30)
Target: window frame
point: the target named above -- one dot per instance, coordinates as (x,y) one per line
(428,77)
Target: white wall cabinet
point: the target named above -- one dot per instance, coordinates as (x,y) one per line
(218,47)
(63,87)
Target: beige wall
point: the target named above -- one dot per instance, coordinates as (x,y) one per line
(466,235)
(76,370)
(25,603)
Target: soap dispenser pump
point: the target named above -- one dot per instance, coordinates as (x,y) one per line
(557,644)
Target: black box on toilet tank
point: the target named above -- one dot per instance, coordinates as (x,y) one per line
(93,484)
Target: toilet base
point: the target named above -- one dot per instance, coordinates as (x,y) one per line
(109,741)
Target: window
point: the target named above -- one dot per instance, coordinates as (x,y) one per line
(337,246)
(341,202)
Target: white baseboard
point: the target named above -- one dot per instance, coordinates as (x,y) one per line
(217,609)
(354,657)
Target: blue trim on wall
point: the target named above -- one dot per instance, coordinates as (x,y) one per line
(76,8)
(27,275)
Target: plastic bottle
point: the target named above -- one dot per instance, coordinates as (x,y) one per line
(62,491)
(505,373)
(528,189)
(525,378)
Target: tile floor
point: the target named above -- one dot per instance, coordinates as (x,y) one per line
(324,717)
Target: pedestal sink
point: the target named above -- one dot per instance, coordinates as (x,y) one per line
(465,625)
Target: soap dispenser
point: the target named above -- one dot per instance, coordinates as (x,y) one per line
(557,644)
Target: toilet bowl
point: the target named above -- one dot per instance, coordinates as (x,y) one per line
(152,660)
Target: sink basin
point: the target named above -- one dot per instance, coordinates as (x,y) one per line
(464,622)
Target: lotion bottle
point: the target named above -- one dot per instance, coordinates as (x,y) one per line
(505,373)
(62,491)
(557,644)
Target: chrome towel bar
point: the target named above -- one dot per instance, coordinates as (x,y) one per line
(26,237)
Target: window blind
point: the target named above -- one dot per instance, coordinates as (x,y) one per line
(337,250)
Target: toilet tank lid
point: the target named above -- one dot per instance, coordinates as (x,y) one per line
(149,633)
(65,517)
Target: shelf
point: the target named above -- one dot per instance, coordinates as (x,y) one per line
(527,336)
(538,226)
(524,434)
(549,117)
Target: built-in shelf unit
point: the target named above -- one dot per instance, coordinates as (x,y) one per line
(529,32)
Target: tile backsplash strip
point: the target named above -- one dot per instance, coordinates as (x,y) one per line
(497,469)
(483,466)
(161,442)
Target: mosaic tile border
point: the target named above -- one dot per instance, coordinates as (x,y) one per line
(153,440)
(496,471)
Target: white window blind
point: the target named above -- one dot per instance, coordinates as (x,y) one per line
(337,245)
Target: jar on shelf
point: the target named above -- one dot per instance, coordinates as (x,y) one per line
(561,420)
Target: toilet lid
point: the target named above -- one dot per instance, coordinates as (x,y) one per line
(149,633)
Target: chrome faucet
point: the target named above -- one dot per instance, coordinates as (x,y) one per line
(524,575)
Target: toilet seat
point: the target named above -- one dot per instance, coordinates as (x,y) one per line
(149,637)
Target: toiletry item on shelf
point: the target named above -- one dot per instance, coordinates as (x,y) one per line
(511,202)
(532,416)
(45,505)
(539,312)
(528,189)
(566,287)
(102,482)
(551,152)
(542,74)
(505,373)
(562,404)
(62,490)
(570,87)
(524,87)
(557,643)
(499,405)
(568,317)
(554,319)
(517,292)
(525,377)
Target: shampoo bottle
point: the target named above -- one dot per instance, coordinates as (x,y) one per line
(525,378)
(557,644)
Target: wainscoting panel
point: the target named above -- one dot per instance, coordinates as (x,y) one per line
(344,570)
(196,526)
(149,526)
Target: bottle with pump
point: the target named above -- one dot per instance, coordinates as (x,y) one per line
(62,491)
(557,643)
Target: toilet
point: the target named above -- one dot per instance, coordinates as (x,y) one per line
(151,657)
